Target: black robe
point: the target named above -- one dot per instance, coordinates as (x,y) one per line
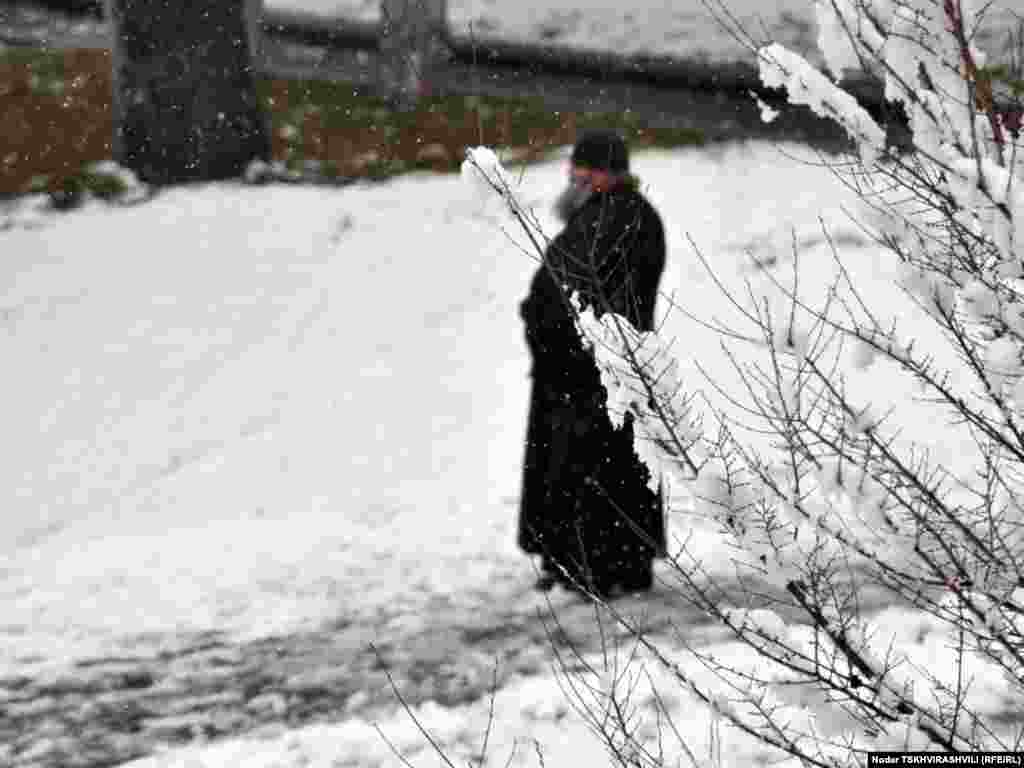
(586,505)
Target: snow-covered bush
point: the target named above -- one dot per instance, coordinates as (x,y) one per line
(837,501)
(105,181)
(837,491)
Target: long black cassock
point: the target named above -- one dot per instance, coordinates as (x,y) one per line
(581,476)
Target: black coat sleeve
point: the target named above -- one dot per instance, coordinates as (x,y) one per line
(551,333)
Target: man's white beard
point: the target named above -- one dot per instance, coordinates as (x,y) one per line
(573,197)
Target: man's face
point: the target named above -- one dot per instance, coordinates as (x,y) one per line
(596,180)
(583,182)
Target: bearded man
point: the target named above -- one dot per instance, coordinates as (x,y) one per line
(586,507)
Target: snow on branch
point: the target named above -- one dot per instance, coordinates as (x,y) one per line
(804,84)
(641,377)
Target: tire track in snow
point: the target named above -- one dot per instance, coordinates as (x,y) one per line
(105,711)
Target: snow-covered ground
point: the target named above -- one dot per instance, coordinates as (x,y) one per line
(284,387)
(680,28)
(251,430)
(685,29)
(230,390)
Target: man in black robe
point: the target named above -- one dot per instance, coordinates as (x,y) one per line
(586,507)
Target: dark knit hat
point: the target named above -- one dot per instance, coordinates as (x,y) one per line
(601,151)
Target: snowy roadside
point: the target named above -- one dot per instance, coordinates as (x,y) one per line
(253,430)
(684,29)
(540,719)
(272,426)
(286,388)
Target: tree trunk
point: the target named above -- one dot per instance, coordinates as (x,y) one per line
(412,33)
(185,103)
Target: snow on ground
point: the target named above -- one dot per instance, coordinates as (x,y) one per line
(537,720)
(684,29)
(278,391)
(286,387)
(265,412)
(226,425)
(681,28)
(533,724)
